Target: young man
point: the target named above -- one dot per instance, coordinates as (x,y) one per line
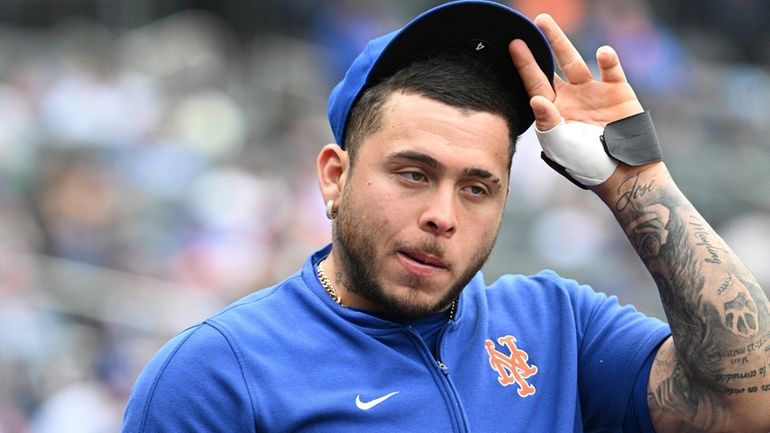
(391,328)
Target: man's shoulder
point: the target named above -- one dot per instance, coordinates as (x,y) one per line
(175,387)
(214,351)
(266,308)
(191,346)
(540,292)
(545,282)
(269,317)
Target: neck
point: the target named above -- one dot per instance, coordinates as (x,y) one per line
(341,284)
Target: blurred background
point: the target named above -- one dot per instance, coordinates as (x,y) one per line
(157,162)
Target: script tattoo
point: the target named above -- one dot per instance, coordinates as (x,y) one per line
(703,236)
(712,304)
(630,189)
(726,284)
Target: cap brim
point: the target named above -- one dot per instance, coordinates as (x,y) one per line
(481,28)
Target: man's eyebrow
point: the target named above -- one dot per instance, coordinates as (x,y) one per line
(433,163)
(482,174)
(417,157)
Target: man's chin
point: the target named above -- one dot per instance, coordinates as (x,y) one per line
(406,309)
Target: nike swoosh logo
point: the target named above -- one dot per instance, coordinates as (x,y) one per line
(366,405)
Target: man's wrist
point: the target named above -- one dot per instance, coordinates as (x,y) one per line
(632,182)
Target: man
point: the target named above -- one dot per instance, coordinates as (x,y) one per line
(391,328)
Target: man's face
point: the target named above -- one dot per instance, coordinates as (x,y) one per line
(421,208)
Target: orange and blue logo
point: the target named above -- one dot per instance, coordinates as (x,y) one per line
(512,368)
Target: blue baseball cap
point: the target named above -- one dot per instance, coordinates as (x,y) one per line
(479,27)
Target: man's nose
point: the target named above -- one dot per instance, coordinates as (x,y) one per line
(439,216)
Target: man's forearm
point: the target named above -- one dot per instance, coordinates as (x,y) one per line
(715,372)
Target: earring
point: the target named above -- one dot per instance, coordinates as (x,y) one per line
(331,213)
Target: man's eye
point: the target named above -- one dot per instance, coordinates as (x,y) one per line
(476,190)
(414,176)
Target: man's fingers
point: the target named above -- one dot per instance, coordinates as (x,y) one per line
(534,80)
(558,83)
(609,65)
(567,57)
(546,114)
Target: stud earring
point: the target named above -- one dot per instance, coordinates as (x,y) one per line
(331,213)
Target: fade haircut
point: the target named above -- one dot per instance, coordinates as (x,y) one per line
(455,78)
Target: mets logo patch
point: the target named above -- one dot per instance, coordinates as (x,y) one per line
(511,368)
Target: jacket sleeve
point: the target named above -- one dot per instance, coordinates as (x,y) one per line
(616,340)
(193,384)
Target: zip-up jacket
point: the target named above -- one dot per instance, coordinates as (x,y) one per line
(524,354)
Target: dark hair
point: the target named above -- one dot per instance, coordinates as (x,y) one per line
(454,78)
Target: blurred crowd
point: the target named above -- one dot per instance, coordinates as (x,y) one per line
(150,174)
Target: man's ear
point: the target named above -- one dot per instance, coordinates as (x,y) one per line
(332,169)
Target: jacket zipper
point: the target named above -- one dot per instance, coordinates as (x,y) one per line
(456,409)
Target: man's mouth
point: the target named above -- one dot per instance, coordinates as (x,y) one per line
(425,259)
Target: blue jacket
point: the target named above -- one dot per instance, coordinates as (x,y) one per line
(525,354)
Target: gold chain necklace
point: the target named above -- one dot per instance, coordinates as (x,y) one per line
(327,283)
(329,288)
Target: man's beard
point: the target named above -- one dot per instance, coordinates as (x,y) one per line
(356,247)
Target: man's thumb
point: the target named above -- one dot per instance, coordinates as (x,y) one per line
(546,114)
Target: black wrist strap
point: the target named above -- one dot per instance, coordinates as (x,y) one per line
(561,170)
(632,140)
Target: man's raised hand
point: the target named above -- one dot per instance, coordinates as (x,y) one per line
(578,96)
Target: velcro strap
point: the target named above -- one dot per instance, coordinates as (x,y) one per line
(632,140)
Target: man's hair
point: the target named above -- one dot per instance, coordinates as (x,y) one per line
(454,78)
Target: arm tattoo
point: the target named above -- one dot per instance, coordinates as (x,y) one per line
(719,316)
